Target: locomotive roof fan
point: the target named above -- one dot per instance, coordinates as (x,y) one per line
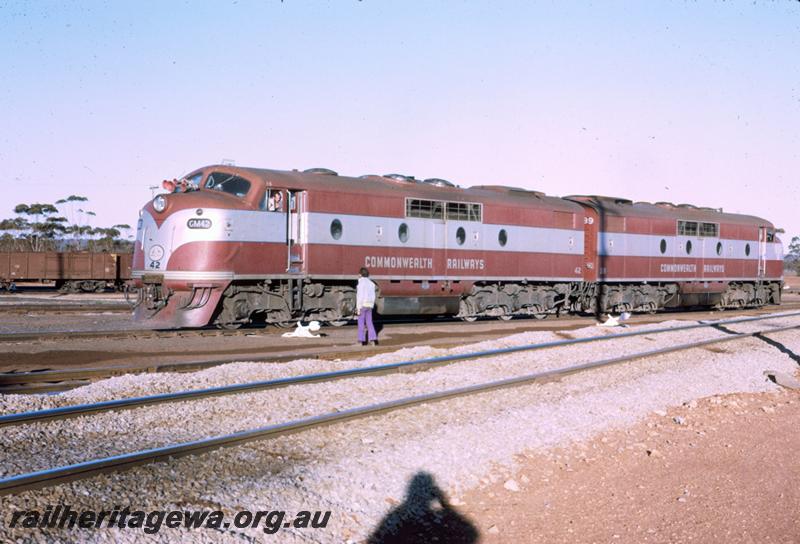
(438,182)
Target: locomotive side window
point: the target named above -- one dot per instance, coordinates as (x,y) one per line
(336,229)
(719,248)
(502,237)
(687,228)
(474,212)
(228,183)
(663,246)
(463,211)
(688,247)
(402,232)
(709,229)
(770,236)
(461,236)
(435,209)
(425,209)
(747,249)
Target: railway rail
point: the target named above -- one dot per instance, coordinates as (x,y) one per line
(54,476)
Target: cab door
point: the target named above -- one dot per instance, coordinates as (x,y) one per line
(762,251)
(296,232)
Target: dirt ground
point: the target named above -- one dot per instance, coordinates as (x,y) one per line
(722,469)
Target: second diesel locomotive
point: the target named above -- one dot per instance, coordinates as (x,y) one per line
(231,245)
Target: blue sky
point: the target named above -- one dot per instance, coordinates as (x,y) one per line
(687,102)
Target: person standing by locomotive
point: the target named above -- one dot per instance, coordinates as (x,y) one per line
(365,301)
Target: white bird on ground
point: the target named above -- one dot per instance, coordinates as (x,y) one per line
(303,331)
(615,321)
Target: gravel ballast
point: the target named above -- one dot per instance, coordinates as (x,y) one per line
(359,470)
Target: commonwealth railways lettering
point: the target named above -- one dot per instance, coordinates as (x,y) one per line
(466,264)
(373,261)
(679,268)
(381,261)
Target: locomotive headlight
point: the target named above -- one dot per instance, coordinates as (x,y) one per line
(160,203)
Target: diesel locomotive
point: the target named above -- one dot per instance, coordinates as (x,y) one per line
(231,245)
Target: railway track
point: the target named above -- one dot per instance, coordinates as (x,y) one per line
(56,475)
(62,379)
(211,331)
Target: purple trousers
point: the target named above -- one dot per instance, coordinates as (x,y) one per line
(365,325)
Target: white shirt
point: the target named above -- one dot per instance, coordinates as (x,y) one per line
(365,293)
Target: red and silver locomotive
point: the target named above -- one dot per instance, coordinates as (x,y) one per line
(230,246)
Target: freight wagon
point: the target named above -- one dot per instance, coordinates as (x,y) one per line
(71,271)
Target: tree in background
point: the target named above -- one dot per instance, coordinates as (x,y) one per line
(12,230)
(109,239)
(39,227)
(793,257)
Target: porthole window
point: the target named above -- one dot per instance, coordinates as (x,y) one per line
(461,236)
(336,229)
(663,246)
(402,232)
(502,237)
(688,247)
(747,250)
(719,248)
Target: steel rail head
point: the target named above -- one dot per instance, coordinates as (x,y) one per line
(133,402)
(87,469)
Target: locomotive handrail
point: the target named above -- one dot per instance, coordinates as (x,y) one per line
(133,402)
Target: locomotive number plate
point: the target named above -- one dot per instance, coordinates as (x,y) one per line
(199,223)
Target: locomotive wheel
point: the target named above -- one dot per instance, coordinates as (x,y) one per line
(338,323)
(505,317)
(469,318)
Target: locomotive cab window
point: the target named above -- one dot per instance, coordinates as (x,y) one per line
(228,183)
(770,236)
(272,201)
(195,180)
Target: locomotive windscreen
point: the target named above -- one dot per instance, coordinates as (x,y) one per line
(228,183)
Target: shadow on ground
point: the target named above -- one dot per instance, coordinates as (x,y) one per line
(424,516)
